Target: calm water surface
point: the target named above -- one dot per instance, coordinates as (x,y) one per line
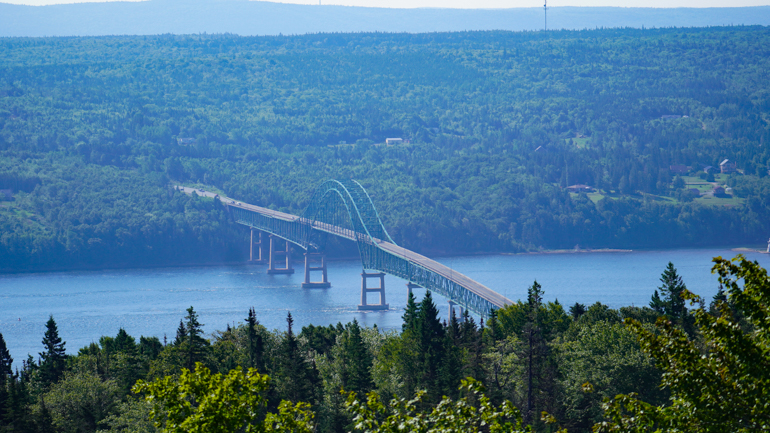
(151,302)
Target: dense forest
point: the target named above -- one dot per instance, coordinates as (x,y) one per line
(532,366)
(94,131)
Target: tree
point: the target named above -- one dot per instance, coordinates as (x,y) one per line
(297,377)
(472,413)
(6,377)
(718,383)
(198,401)
(194,345)
(256,344)
(54,355)
(80,402)
(671,302)
(356,361)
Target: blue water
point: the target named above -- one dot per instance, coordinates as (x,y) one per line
(151,302)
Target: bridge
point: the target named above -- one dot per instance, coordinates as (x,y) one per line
(344,209)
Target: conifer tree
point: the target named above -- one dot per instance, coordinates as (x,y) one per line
(298,377)
(195,344)
(410,313)
(256,345)
(181,334)
(431,344)
(54,355)
(357,361)
(6,375)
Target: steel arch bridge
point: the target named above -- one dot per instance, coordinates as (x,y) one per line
(343,208)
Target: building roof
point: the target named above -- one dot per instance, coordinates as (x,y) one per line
(726,161)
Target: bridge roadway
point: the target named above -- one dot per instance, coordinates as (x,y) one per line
(474,287)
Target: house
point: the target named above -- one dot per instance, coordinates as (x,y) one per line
(185,141)
(727,166)
(708,168)
(678,168)
(695,192)
(717,191)
(6,194)
(394,140)
(580,188)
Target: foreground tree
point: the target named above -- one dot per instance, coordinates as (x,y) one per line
(723,387)
(472,413)
(53,358)
(200,402)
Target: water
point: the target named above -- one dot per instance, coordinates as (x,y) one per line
(151,302)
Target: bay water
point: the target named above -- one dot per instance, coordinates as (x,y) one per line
(151,302)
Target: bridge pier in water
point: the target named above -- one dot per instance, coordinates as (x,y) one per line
(324,283)
(260,244)
(275,254)
(366,290)
(409,287)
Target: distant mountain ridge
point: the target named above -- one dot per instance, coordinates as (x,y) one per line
(245,17)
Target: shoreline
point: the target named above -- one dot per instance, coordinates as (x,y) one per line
(435,255)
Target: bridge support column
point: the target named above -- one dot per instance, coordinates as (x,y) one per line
(410,286)
(275,254)
(324,283)
(452,305)
(259,243)
(366,290)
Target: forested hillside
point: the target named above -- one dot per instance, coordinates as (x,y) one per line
(93,131)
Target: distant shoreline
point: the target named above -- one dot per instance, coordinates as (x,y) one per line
(434,255)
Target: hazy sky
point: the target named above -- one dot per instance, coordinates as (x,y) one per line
(486,3)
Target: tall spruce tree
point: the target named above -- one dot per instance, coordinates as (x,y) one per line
(357,361)
(410,313)
(181,334)
(298,378)
(671,302)
(256,344)
(430,339)
(195,344)
(54,355)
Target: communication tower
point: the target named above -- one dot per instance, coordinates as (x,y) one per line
(545,12)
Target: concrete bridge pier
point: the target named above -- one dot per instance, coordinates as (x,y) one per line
(410,286)
(258,242)
(324,283)
(276,254)
(366,290)
(452,306)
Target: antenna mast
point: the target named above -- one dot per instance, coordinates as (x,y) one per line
(545,11)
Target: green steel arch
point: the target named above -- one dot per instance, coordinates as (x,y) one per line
(340,203)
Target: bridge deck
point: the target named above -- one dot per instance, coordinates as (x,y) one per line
(473,286)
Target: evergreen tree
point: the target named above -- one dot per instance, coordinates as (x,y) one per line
(671,302)
(195,345)
(357,361)
(577,310)
(256,345)
(6,375)
(430,338)
(410,313)
(53,357)
(298,378)
(181,334)
(538,374)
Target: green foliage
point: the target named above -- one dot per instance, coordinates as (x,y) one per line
(473,413)
(606,355)
(722,387)
(80,402)
(54,356)
(198,401)
(89,138)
